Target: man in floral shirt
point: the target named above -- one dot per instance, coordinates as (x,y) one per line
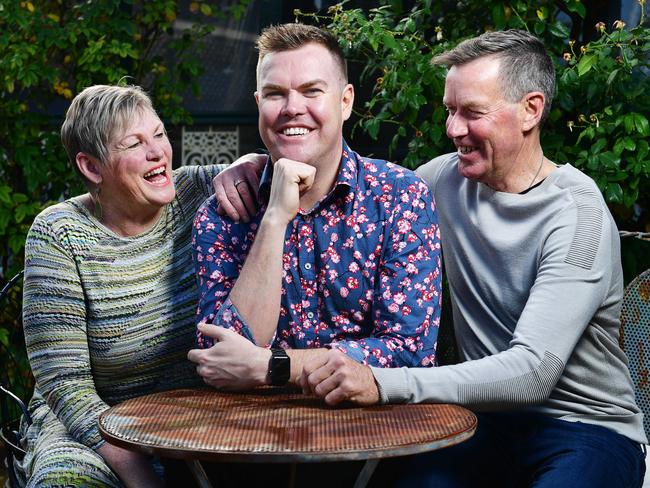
(344,251)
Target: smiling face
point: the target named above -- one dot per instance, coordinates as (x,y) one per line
(137,180)
(303,101)
(487,130)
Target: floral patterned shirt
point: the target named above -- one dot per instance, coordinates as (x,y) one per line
(361,270)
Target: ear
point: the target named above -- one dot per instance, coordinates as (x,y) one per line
(347,101)
(533,108)
(89,167)
(256,94)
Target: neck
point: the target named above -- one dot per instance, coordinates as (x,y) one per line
(126,223)
(527,168)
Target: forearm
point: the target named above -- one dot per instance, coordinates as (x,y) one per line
(257,291)
(134,469)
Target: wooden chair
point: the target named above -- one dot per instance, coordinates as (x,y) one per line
(11,406)
(635,339)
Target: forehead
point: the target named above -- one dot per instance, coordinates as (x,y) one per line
(474,82)
(138,120)
(297,66)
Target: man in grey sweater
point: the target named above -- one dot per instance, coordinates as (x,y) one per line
(533,262)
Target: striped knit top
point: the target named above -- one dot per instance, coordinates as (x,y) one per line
(108,317)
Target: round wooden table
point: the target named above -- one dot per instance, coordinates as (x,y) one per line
(279,425)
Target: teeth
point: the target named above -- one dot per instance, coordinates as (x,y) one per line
(155,172)
(465,149)
(295,131)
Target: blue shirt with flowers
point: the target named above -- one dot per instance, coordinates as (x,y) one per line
(361,270)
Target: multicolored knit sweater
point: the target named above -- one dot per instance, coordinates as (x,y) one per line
(108,317)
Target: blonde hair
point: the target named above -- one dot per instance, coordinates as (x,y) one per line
(98,115)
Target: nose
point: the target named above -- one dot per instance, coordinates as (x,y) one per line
(293,104)
(456,126)
(155,151)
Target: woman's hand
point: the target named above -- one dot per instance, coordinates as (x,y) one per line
(236,187)
(134,469)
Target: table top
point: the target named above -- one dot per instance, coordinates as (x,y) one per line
(278,425)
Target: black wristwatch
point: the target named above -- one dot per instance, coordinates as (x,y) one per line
(279,367)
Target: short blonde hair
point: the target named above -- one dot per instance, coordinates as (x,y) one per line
(98,115)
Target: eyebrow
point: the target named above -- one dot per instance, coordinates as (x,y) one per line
(308,84)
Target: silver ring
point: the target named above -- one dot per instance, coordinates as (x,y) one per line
(237,183)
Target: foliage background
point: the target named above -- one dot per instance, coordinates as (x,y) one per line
(51,50)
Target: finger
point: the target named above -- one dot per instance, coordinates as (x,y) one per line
(225,207)
(195,355)
(325,386)
(234,198)
(248,198)
(335,397)
(214,331)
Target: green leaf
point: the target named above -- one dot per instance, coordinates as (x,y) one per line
(641,124)
(5,195)
(586,63)
(614,193)
(498,17)
(372,127)
(4,337)
(559,29)
(577,7)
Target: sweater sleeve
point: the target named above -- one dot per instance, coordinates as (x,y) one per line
(54,317)
(572,281)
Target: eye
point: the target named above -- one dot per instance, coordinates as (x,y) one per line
(272,94)
(160,135)
(312,92)
(450,110)
(133,145)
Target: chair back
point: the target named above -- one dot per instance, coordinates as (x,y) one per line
(15,376)
(635,340)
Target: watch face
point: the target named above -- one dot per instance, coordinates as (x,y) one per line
(280,367)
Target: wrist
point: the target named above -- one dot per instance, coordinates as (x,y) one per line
(279,367)
(262,366)
(275,219)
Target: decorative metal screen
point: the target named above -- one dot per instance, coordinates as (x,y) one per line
(210,147)
(635,339)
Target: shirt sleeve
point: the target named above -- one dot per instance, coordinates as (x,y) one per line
(564,298)
(407,295)
(217,253)
(54,318)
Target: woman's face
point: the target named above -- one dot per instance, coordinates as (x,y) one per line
(137,181)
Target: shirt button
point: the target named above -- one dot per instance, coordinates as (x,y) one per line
(310,315)
(307,266)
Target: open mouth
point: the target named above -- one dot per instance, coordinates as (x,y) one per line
(466,149)
(156,175)
(296,131)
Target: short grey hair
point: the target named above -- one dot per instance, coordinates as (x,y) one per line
(98,115)
(525,65)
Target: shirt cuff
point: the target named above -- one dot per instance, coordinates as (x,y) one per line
(228,317)
(350,350)
(392,384)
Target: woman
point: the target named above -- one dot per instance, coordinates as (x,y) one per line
(109,292)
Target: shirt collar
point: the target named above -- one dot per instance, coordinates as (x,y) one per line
(347,176)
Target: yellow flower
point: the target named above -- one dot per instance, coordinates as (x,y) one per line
(619,24)
(567,56)
(600,26)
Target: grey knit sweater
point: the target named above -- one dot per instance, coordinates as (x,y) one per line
(536,285)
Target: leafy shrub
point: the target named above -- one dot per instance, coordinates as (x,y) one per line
(599,121)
